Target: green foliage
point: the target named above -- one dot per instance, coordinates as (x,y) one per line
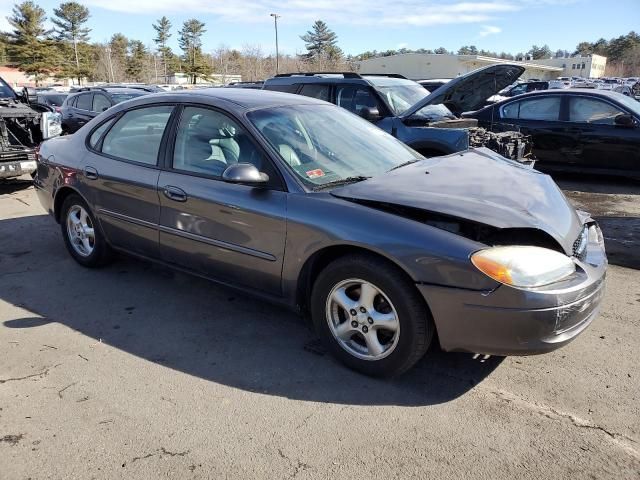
(28,45)
(540,52)
(163,31)
(136,61)
(190,41)
(321,44)
(69,20)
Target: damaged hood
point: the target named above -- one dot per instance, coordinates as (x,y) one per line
(477,185)
(470,92)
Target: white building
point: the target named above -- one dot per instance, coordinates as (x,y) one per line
(592,66)
(180,78)
(420,66)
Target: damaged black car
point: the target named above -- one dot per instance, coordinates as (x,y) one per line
(23,126)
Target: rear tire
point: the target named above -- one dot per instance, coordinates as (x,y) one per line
(82,234)
(392,326)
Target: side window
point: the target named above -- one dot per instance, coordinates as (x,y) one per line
(314,90)
(84,101)
(541,108)
(354,98)
(72,102)
(589,110)
(137,134)
(97,133)
(100,102)
(208,141)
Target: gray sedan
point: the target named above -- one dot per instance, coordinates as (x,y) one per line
(305,204)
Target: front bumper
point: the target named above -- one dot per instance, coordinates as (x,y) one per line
(17,168)
(512,321)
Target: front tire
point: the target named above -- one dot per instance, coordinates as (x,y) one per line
(82,234)
(370,315)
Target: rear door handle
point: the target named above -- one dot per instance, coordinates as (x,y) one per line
(91,173)
(174,193)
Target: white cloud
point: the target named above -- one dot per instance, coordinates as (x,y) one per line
(402,45)
(354,12)
(489,30)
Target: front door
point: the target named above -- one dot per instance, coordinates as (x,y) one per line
(603,144)
(120,177)
(234,233)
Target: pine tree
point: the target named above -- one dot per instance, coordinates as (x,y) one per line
(190,42)
(69,19)
(163,28)
(321,44)
(136,61)
(28,45)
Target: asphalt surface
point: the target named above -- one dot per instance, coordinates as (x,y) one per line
(134,371)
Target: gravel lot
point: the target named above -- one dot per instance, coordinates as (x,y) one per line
(134,371)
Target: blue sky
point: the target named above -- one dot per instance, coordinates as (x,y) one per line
(498,25)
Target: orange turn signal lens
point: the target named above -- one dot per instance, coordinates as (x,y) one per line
(493,269)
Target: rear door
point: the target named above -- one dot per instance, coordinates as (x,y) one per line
(232,232)
(121,177)
(603,144)
(83,112)
(539,116)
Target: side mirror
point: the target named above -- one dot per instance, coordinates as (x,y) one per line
(244,173)
(369,113)
(624,120)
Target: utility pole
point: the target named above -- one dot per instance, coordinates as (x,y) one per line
(275,23)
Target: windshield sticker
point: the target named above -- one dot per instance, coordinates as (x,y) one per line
(315,173)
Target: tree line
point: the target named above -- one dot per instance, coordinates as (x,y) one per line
(66,51)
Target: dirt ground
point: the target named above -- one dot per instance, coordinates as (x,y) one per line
(134,371)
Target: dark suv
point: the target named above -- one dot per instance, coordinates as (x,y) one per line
(427,122)
(88,102)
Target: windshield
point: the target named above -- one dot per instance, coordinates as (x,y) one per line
(6,91)
(434,113)
(121,97)
(401,97)
(325,144)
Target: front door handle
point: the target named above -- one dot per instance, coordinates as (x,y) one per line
(174,193)
(91,173)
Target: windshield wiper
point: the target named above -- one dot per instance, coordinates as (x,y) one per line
(342,181)
(409,162)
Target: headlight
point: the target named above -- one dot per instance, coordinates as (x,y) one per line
(521,266)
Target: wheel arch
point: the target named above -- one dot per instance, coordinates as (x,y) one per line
(316,262)
(61,195)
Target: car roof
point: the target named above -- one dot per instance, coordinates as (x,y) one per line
(125,90)
(570,91)
(236,99)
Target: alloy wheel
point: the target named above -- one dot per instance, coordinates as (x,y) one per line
(362,319)
(80,231)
